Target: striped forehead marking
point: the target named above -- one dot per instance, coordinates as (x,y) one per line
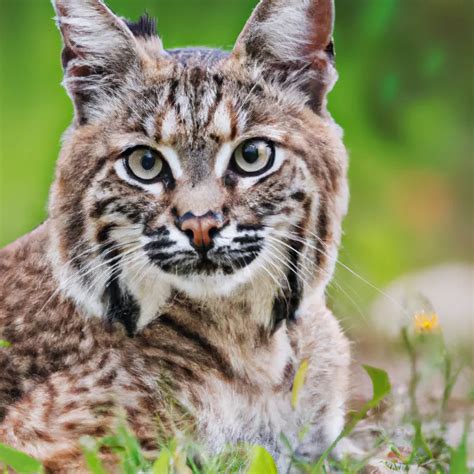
(150,126)
(223,157)
(168,126)
(222,121)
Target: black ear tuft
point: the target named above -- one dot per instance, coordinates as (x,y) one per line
(331,50)
(145,27)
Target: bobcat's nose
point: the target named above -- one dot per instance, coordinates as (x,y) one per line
(201,229)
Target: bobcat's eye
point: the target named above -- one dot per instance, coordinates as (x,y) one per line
(253,157)
(144,164)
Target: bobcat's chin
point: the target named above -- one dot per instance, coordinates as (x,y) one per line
(207,285)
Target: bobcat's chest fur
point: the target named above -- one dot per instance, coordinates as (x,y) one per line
(231,416)
(240,371)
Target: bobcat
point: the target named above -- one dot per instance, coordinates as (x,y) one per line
(193,227)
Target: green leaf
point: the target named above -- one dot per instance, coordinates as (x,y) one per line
(4,343)
(380,384)
(261,462)
(298,382)
(162,463)
(459,457)
(18,461)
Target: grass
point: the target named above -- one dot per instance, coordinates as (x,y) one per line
(425,449)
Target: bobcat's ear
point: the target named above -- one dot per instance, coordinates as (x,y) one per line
(293,36)
(99,53)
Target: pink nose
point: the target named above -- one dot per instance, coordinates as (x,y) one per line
(201,229)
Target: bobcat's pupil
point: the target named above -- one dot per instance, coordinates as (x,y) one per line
(251,153)
(148,161)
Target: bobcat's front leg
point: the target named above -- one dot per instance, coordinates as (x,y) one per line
(320,406)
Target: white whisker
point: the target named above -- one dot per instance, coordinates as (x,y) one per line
(364,280)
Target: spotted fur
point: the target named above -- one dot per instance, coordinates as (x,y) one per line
(109,308)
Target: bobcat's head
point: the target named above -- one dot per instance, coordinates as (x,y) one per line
(197,170)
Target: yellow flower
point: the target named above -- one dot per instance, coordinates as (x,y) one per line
(426,322)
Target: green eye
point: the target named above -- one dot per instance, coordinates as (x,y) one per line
(253,157)
(144,164)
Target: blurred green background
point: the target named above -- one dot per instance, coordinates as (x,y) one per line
(404,99)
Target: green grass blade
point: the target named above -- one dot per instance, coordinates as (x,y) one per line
(420,445)
(459,457)
(298,382)
(94,463)
(18,461)
(90,449)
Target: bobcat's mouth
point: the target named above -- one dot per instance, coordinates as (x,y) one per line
(226,256)
(217,260)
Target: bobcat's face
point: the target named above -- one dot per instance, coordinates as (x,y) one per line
(196,167)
